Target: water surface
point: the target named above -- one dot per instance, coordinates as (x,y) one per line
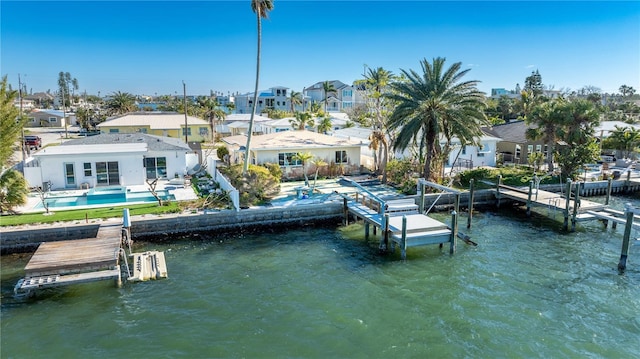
(527,290)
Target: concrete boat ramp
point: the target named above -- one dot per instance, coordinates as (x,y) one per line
(61,263)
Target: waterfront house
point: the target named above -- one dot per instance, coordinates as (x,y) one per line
(112,159)
(514,146)
(167,124)
(238,123)
(342,155)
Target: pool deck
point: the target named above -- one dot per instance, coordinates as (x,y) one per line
(34,204)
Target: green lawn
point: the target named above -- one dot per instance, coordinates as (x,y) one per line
(87,214)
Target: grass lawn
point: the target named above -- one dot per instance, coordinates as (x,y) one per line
(82,214)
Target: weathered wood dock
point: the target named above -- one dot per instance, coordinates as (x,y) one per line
(74,261)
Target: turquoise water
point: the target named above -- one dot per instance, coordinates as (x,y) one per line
(107,196)
(526,291)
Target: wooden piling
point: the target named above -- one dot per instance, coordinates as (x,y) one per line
(529,198)
(576,204)
(366,231)
(498,190)
(345,209)
(567,201)
(403,245)
(471,190)
(454,232)
(622,265)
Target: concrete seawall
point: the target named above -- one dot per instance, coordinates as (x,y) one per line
(174,225)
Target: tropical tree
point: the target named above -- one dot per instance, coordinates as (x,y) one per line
(432,104)
(378,140)
(261,8)
(533,83)
(209,109)
(295,100)
(120,103)
(83,115)
(327,88)
(65,82)
(324,125)
(304,158)
(302,120)
(626,90)
(318,162)
(547,118)
(13,186)
(624,139)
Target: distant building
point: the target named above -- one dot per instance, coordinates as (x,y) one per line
(344,98)
(168,124)
(46,118)
(274,98)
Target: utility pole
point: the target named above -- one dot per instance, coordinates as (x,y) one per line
(186,128)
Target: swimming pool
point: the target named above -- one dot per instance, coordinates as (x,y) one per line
(102,196)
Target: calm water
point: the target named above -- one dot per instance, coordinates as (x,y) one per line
(526,291)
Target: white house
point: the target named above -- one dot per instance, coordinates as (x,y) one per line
(470,156)
(275,98)
(341,155)
(109,160)
(343,98)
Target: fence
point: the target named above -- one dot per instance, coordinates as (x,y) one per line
(223,182)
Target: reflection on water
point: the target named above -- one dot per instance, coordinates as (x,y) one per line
(527,290)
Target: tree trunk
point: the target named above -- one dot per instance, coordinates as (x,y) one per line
(247,156)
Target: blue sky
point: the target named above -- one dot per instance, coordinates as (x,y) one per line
(150,47)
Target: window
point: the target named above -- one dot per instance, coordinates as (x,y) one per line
(32,119)
(546,151)
(346,93)
(347,104)
(464,150)
(538,148)
(156,167)
(341,157)
(204,131)
(518,150)
(480,151)
(141,130)
(286,159)
(87,169)
(107,173)
(114,130)
(188,131)
(530,149)
(69,175)
(53,120)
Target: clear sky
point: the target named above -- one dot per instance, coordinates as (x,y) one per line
(150,47)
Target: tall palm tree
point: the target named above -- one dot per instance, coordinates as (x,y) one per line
(121,103)
(295,99)
(261,8)
(327,88)
(547,118)
(376,82)
(433,104)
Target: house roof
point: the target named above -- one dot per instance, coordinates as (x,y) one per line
(605,127)
(291,140)
(154,120)
(244,117)
(359,133)
(512,131)
(153,143)
(68,149)
(58,113)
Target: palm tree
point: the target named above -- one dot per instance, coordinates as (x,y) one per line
(296,99)
(209,109)
(304,158)
(318,162)
(547,118)
(379,141)
(325,125)
(261,8)
(625,139)
(433,104)
(121,103)
(302,120)
(327,88)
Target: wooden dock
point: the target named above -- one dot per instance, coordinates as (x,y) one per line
(75,261)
